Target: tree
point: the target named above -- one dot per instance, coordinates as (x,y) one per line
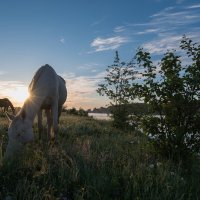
(116,87)
(172,91)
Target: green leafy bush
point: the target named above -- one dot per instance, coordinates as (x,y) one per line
(172,91)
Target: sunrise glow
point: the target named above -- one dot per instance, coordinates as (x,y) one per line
(18,95)
(79,42)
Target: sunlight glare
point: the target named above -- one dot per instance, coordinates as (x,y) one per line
(18,95)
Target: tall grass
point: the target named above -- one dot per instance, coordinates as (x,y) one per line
(92,160)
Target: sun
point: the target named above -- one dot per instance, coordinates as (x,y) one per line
(18,94)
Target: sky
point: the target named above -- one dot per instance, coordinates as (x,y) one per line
(78,38)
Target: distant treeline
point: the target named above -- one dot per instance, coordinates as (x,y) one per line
(134,108)
(74,111)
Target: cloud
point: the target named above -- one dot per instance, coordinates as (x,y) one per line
(160,46)
(174,18)
(89,66)
(194,6)
(169,42)
(97,22)
(163,12)
(168,27)
(16,91)
(119,29)
(165,25)
(2,72)
(155,30)
(179,1)
(82,90)
(103,44)
(62,40)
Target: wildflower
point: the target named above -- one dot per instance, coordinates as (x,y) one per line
(151,166)
(182,179)
(172,173)
(158,164)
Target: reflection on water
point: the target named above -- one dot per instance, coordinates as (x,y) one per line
(100,116)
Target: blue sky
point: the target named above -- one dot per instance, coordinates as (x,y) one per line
(79,38)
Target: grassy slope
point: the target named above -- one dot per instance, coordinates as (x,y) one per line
(92,160)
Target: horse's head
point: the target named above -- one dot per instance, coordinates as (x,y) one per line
(20,132)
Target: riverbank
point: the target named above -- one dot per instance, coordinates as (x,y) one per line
(100,116)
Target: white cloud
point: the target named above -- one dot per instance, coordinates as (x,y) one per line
(161,45)
(2,72)
(62,40)
(194,6)
(97,22)
(168,26)
(68,75)
(179,1)
(103,44)
(156,30)
(163,12)
(89,66)
(16,91)
(82,90)
(119,29)
(176,19)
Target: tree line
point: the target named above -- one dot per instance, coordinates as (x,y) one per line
(133,108)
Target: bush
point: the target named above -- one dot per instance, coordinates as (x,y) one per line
(173,92)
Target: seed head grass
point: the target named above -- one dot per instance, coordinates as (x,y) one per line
(92,160)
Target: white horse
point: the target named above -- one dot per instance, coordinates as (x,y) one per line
(47,91)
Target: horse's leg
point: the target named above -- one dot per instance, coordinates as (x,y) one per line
(40,128)
(55,117)
(59,112)
(49,122)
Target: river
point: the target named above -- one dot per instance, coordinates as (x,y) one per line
(100,116)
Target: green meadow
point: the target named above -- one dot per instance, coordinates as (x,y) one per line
(93,160)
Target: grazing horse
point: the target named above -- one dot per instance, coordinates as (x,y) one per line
(47,91)
(5,104)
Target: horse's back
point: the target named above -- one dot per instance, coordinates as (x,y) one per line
(48,85)
(45,81)
(5,102)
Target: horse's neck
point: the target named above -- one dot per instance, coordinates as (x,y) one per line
(31,107)
(10,104)
(12,107)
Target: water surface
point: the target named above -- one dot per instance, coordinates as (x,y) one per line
(100,116)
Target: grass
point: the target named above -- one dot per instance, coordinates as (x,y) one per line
(92,160)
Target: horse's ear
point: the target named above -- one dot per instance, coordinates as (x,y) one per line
(10,116)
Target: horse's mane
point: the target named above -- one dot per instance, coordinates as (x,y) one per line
(35,78)
(62,79)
